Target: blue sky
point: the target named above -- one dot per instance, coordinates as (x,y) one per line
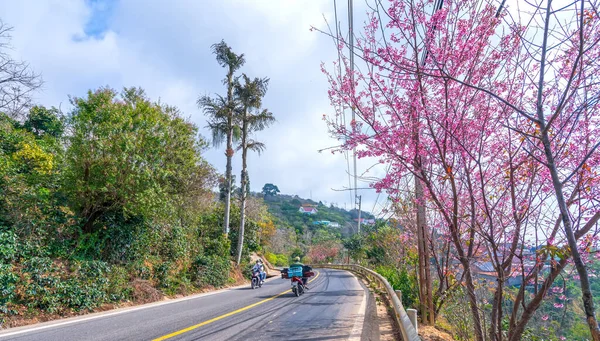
(164,47)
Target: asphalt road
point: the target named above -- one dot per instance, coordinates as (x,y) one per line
(333,309)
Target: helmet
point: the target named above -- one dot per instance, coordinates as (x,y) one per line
(297,259)
(257,261)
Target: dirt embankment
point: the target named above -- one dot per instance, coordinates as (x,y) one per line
(269,268)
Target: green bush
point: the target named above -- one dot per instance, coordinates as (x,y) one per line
(89,289)
(118,284)
(8,246)
(282,260)
(277,259)
(399,279)
(161,273)
(41,284)
(8,285)
(211,270)
(271,257)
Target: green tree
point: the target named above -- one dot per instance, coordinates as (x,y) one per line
(28,176)
(42,121)
(221,114)
(355,246)
(250,95)
(126,152)
(270,189)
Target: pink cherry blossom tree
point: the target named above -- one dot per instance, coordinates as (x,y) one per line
(495,112)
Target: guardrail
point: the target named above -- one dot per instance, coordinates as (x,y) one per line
(408,331)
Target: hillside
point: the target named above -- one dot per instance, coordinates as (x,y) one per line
(285,209)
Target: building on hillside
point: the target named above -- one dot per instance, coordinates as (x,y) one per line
(364,221)
(308,210)
(326,223)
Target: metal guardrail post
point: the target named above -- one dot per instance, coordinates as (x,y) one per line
(399,294)
(412,315)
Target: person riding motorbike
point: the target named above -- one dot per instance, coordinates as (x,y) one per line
(259,267)
(304,279)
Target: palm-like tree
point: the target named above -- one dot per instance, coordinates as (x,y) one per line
(252,119)
(221,112)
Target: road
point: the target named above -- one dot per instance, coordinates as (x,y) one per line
(333,309)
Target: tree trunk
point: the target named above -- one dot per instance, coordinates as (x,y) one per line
(425,286)
(242,221)
(472,298)
(243,182)
(229,151)
(88,227)
(496,319)
(587,298)
(227,186)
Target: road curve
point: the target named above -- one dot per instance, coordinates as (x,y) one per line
(333,309)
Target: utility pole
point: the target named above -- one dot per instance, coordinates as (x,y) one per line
(353,122)
(359,208)
(425,281)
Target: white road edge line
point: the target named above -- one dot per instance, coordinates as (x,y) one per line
(70,320)
(356,333)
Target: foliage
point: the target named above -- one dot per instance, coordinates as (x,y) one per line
(270,190)
(211,270)
(354,245)
(127,153)
(8,246)
(401,280)
(124,157)
(276,259)
(323,252)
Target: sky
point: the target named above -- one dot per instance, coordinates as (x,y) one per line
(164,47)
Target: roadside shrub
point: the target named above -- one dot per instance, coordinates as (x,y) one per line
(41,283)
(271,257)
(246,266)
(276,259)
(89,289)
(118,284)
(143,268)
(211,270)
(399,279)
(8,246)
(8,286)
(282,260)
(161,273)
(457,313)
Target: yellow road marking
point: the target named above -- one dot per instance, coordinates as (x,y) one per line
(185,330)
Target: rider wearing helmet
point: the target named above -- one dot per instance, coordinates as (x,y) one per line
(258,266)
(297,263)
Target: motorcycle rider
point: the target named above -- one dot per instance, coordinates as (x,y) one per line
(259,267)
(304,279)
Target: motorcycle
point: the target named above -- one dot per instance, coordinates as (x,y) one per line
(256,280)
(298,287)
